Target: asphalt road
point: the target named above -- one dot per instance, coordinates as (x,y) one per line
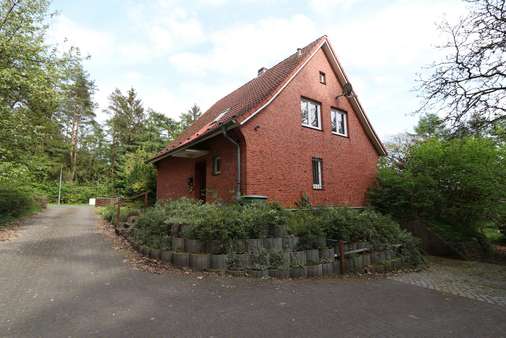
(62,278)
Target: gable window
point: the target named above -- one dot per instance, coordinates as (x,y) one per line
(317,173)
(310,113)
(339,121)
(322,78)
(216,165)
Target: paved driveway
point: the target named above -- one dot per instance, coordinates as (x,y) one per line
(61,278)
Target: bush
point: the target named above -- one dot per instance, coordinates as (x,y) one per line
(264,220)
(109,213)
(308,226)
(15,202)
(352,225)
(227,222)
(459,182)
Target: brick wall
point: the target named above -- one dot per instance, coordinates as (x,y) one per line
(173,172)
(280,149)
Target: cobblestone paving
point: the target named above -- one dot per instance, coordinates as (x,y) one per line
(476,280)
(60,277)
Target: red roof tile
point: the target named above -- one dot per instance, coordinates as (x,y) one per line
(244,100)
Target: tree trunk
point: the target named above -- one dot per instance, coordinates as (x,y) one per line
(74,141)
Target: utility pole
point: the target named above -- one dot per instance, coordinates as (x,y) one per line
(59,188)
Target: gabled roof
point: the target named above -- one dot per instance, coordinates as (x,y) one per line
(255,95)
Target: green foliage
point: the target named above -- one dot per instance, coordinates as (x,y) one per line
(15,202)
(352,225)
(308,226)
(264,220)
(136,175)
(277,260)
(109,213)
(190,116)
(459,182)
(227,222)
(47,119)
(259,261)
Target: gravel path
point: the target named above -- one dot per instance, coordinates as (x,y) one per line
(61,278)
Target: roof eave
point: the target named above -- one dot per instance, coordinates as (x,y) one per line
(327,48)
(228,125)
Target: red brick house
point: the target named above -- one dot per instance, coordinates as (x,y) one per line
(287,132)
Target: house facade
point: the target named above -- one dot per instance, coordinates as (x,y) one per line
(295,129)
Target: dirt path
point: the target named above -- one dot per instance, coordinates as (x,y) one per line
(61,278)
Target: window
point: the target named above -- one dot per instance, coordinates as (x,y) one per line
(339,121)
(322,78)
(317,173)
(216,165)
(310,113)
(220,115)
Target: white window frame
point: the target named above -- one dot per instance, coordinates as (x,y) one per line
(333,115)
(306,102)
(216,171)
(319,173)
(323,78)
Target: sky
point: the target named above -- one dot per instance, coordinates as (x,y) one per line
(176,53)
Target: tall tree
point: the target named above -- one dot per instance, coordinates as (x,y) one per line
(190,116)
(469,85)
(77,107)
(29,81)
(125,124)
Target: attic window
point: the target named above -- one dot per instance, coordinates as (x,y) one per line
(322,78)
(220,115)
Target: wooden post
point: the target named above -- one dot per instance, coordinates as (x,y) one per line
(116,221)
(146,199)
(341,256)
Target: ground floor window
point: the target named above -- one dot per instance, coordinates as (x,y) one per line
(317,173)
(216,165)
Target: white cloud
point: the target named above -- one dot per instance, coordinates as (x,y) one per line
(330,6)
(189,56)
(383,51)
(239,50)
(66,33)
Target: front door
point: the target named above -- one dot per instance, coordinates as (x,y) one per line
(200,180)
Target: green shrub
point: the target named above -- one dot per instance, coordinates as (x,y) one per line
(277,260)
(352,225)
(226,222)
(308,226)
(264,220)
(454,185)
(109,213)
(15,202)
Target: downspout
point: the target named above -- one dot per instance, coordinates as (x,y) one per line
(238,152)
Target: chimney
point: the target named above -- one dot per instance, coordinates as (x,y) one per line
(261,71)
(299,51)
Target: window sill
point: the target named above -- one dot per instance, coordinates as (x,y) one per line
(311,127)
(317,187)
(339,134)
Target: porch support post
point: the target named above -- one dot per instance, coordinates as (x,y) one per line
(238,153)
